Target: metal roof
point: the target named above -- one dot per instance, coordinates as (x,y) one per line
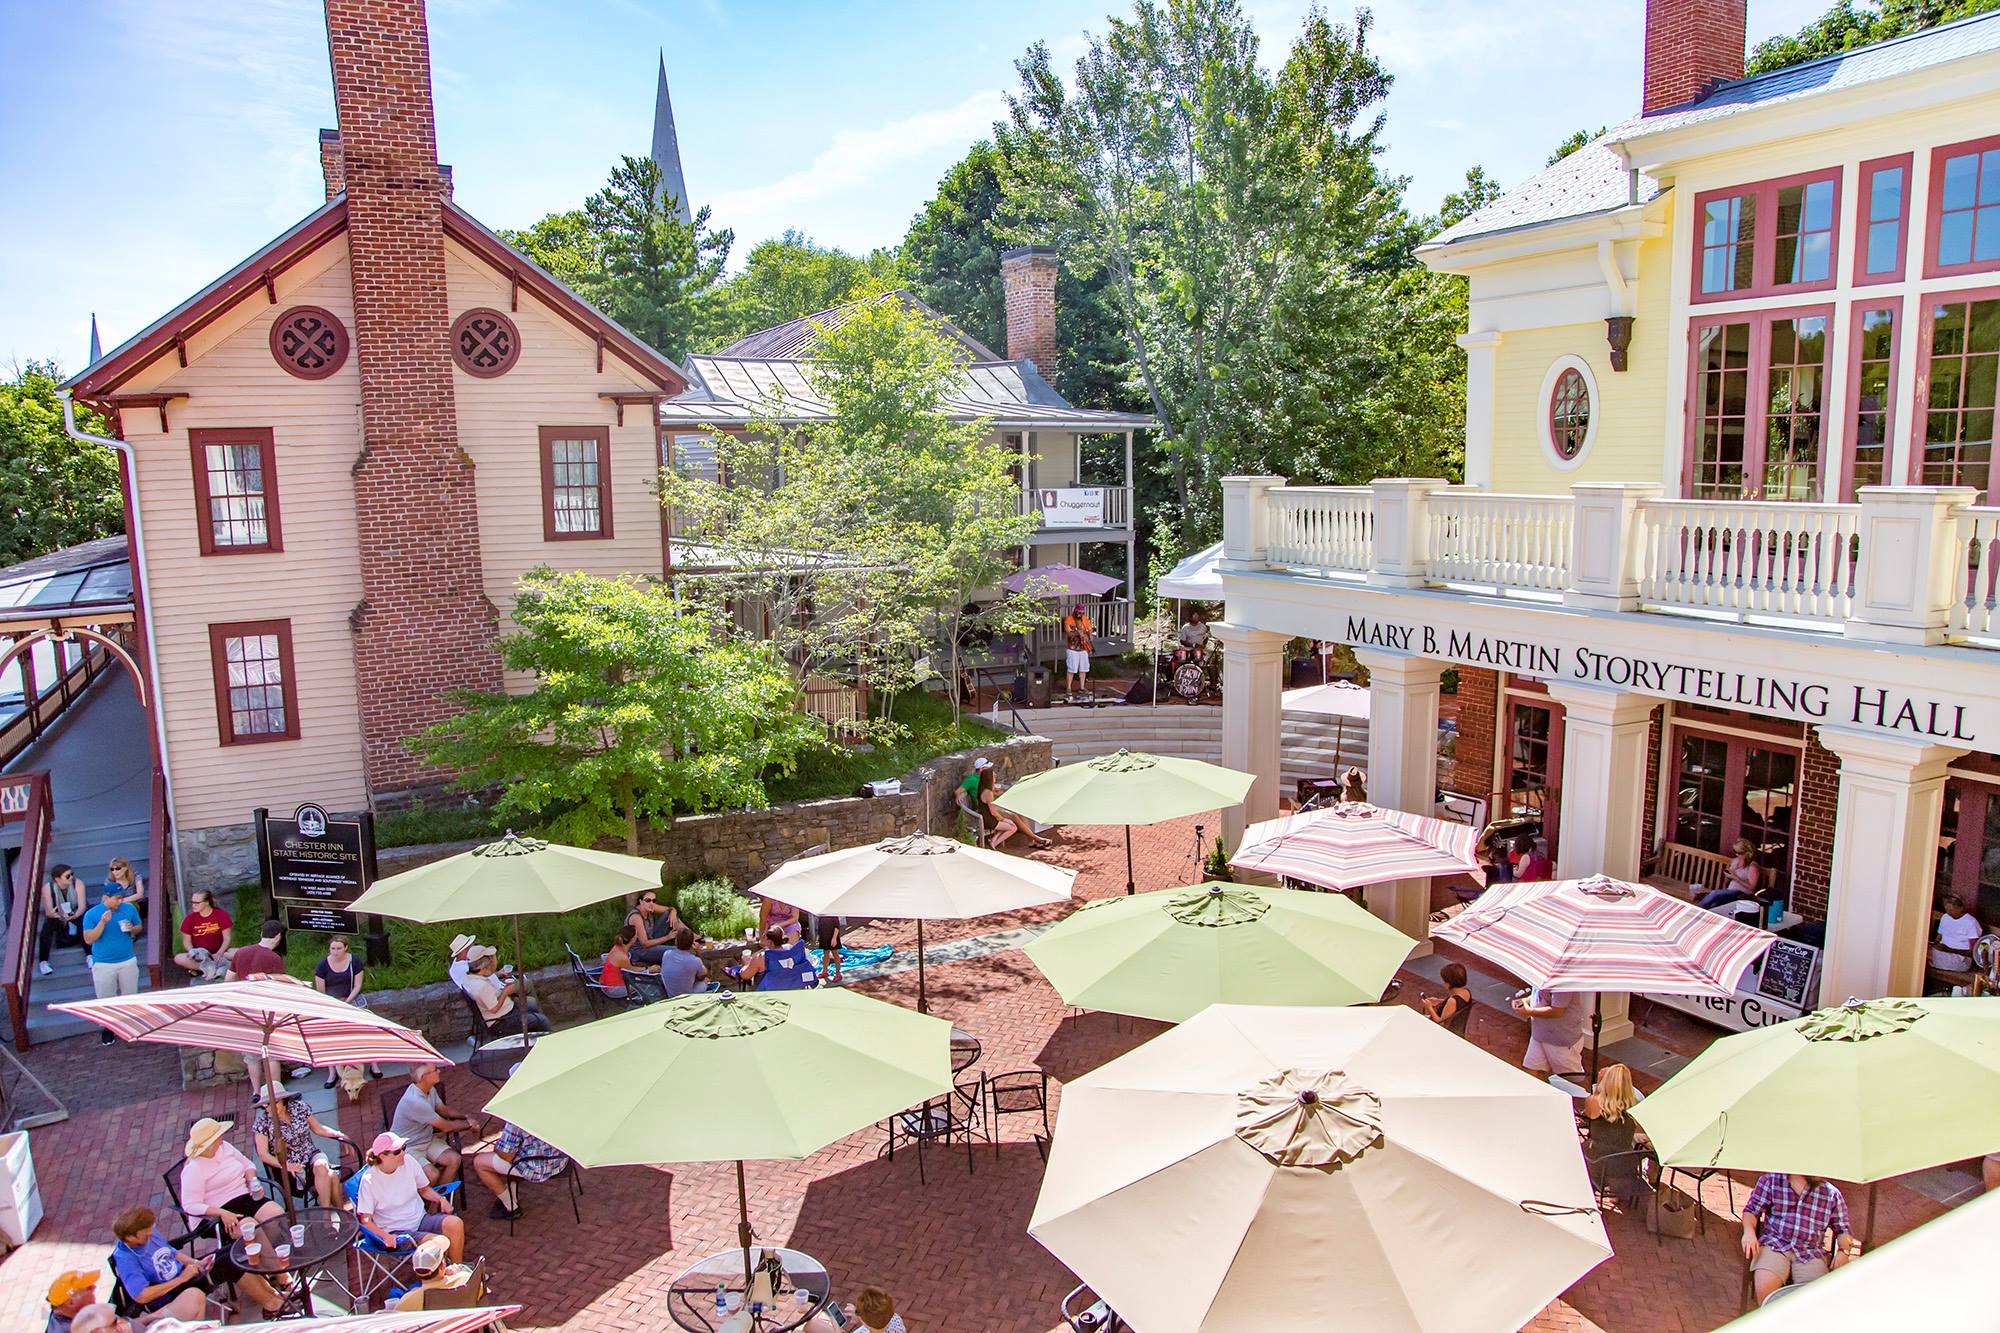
(93,575)
(1591,180)
(736,391)
(795,337)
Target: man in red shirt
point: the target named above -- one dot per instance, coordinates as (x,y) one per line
(261,958)
(206,929)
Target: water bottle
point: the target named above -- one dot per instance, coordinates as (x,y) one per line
(721,1301)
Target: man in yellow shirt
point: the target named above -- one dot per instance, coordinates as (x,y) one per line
(1077,643)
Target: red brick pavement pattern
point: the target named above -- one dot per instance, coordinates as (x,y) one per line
(955,1252)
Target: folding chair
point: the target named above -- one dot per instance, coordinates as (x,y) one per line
(593,989)
(570,1174)
(642,988)
(1019,1092)
(380,1264)
(958,1115)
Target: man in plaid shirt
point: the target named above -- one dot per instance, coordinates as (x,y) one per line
(1785,1222)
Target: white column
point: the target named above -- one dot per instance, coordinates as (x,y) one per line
(1402,770)
(1885,834)
(1246,521)
(1253,711)
(1482,365)
(1912,562)
(1402,530)
(1606,544)
(1603,806)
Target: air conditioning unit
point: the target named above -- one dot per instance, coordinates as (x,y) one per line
(885,787)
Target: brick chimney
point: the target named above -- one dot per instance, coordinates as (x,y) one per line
(1690,44)
(329,162)
(424,626)
(1028,285)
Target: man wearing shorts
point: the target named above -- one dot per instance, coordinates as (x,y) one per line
(517,1155)
(1785,1224)
(391,1199)
(421,1122)
(1077,643)
(1557,1022)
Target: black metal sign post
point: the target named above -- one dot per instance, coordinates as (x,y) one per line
(376,928)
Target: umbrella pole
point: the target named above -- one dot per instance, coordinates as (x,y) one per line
(743,1227)
(923,995)
(1868,1232)
(1596,1032)
(1130,887)
(521,977)
(285,1167)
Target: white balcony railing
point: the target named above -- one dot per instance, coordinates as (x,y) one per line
(1977,611)
(1500,541)
(1908,564)
(1785,560)
(1323,528)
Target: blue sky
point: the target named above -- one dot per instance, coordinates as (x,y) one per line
(150,146)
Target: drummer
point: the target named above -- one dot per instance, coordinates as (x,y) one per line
(1193,638)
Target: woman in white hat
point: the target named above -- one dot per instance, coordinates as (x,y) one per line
(218,1183)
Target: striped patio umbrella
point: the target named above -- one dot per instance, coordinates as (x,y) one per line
(1351,844)
(1603,934)
(387,1321)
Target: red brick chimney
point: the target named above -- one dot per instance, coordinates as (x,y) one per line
(330,168)
(424,626)
(1028,286)
(1690,44)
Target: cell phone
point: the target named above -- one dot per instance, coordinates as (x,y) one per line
(836,1314)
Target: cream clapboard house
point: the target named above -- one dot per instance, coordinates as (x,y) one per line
(1724,563)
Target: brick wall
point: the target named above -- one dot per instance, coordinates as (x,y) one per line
(331,169)
(1812,861)
(1650,835)
(424,626)
(1028,284)
(1478,726)
(1689,45)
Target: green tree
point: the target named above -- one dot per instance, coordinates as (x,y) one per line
(656,268)
(1849,24)
(54,492)
(784,279)
(638,712)
(565,245)
(1578,139)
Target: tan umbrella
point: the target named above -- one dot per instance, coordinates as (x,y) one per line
(919,877)
(1304,1168)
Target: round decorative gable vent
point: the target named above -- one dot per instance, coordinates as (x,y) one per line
(309,342)
(485,343)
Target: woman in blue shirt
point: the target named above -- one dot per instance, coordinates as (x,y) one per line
(781,966)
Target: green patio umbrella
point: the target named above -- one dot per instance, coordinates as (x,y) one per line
(1126,788)
(514,877)
(770,1075)
(1171,953)
(1860,1092)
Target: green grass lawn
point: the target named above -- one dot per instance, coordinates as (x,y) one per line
(931,734)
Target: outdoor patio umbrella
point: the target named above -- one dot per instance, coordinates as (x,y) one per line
(920,878)
(1126,788)
(1860,1092)
(771,1075)
(1171,953)
(1337,699)
(1602,934)
(514,877)
(1300,1168)
(386,1321)
(1351,844)
(1060,581)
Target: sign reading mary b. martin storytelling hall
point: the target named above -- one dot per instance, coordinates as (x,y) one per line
(1865,707)
(314,866)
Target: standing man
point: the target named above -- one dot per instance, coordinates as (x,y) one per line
(62,908)
(1077,643)
(1556,1031)
(1785,1224)
(109,930)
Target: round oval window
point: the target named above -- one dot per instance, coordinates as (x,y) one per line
(1569,414)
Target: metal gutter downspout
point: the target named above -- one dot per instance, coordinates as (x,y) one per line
(138,559)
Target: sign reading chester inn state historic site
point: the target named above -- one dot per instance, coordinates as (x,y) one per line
(315,865)
(1968,723)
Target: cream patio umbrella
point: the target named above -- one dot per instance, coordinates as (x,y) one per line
(919,877)
(1302,1168)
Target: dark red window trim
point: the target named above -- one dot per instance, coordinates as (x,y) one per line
(1864,203)
(218,652)
(1764,239)
(602,436)
(1756,411)
(1920,389)
(199,438)
(1856,311)
(1555,423)
(1934,207)
(335,359)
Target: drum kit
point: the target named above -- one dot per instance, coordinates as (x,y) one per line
(1191,674)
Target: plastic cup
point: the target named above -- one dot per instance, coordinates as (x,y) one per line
(298,1234)
(253,1249)
(281,1251)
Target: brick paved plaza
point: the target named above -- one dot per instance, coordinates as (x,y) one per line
(955,1252)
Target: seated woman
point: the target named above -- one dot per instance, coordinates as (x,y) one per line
(289,1127)
(1535,865)
(653,925)
(1004,823)
(1742,880)
(1604,1111)
(782,965)
(618,961)
(497,999)
(162,1280)
(1456,1000)
(774,915)
(1957,930)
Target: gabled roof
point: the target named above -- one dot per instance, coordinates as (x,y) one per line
(1591,180)
(736,391)
(794,338)
(260,270)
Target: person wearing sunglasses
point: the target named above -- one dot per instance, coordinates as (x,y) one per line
(653,925)
(390,1201)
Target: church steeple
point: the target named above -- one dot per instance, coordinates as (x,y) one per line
(667,144)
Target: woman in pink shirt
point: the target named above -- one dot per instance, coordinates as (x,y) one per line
(219,1183)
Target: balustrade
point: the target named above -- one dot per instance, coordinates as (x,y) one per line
(1323,528)
(1501,541)
(1750,558)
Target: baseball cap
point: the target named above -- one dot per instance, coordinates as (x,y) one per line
(982,763)
(430,1254)
(387,1141)
(69,1284)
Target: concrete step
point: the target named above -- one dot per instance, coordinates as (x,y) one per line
(69,981)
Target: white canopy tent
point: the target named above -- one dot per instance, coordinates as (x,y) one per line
(1194,579)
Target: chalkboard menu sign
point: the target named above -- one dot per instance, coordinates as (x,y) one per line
(1788,973)
(314,866)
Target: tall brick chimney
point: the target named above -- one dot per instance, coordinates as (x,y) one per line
(1690,44)
(331,169)
(1028,286)
(424,626)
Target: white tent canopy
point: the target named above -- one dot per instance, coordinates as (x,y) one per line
(1195,579)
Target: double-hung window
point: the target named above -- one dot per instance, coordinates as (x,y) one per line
(235,490)
(1958,382)
(1772,238)
(256,690)
(1882,228)
(1757,405)
(1964,231)
(576,483)
(1871,394)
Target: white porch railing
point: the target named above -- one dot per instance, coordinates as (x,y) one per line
(1749,558)
(1977,612)
(1323,528)
(1501,541)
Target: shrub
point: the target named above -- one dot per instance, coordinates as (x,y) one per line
(714,908)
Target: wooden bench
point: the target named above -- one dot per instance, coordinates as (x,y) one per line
(1688,872)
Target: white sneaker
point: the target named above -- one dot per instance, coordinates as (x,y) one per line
(44,969)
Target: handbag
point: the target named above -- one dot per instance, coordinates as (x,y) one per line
(1679,1213)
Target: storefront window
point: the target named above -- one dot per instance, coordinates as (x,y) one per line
(1968,861)
(1731,787)
(1701,792)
